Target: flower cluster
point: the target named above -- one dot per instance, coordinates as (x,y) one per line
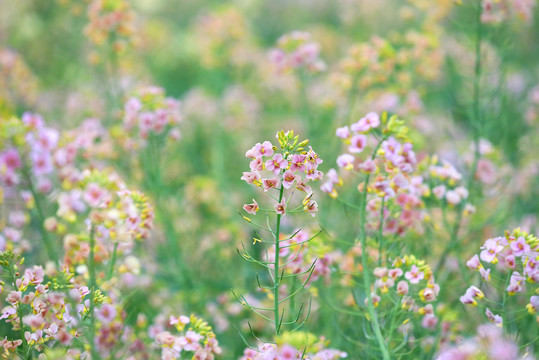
(489,343)
(17,82)
(379,61)
(291,167)
(28,139)
(517,254)
(110,21)
(503,10)
(221,36)
(297,51)
(44,308)
(396,186)
(151,113)
(445,184)
(413,281)
(297,345)
(117,215)
(195,338)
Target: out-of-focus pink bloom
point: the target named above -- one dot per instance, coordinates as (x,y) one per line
(346,161)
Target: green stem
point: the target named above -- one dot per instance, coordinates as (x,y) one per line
(276,268)
(380,234)
(366,274)
(113,261)
(26,350)
(93,285)
(41,218)
(364,262)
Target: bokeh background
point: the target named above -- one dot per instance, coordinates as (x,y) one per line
(416,58)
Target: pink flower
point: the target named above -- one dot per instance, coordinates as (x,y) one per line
(251,208)
(368,166)
(312,173)
(264,149)
(288,179)
(439,191)
(311,207)
(42,163)
(106,314)
(516,283)
(276,163)
(414,275)
(176,320)
(257,164)
(346,161)
(491,248)
(402,287)
(485,274)
(391,147)
(452,197)
(190,342)
(471,294)
(11,159)
(474,263)
(94,195)
(33,121)
(510,261)
(533,306)
(146,123)
(298,162)
(357,143)
(370,121)
(301,185)
(250,177)
(313,157)
(280,208)
(497,319)
(343,132)
(270,184)
(519,246)
(429,321)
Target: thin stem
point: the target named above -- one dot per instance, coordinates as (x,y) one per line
(93,285)
(380,234)
(25,347)
(41,218)
(366,274)
(113,261)
(276,278)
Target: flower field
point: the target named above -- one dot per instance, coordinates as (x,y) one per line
(266,180)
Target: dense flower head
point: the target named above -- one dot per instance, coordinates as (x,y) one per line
(291,166)
(192,335)
(488,343)
(149,113)
(294,346)
(118,215)
(446,184)
(392,166)
(509,263)
(110,21)
(504,10)
(297,50)
(413,281)
(52,308)
(17,82)
(222,36)
(404,61)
